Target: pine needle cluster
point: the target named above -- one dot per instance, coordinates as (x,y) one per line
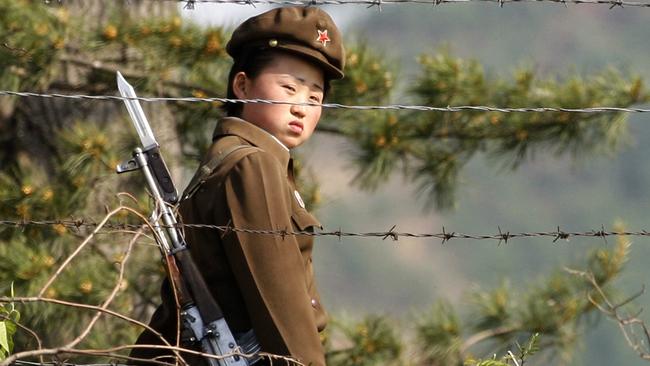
(536,324)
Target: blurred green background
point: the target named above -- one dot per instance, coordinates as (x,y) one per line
(398,278)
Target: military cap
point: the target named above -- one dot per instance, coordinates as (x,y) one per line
(306,31)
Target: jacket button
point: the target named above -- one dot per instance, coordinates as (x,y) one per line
(314,303)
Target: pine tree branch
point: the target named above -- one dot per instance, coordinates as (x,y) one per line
(80,247)
(440,133)
(135,288)
(624,322)
(111,296)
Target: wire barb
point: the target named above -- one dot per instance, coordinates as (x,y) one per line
(616,3)
(376,3)
(561,235)
(393,235)
(503,236)
(228,229)
(602,233)
(339,234)
(447,236)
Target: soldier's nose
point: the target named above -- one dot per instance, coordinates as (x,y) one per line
(298,110)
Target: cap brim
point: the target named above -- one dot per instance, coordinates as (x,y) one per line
(331,71)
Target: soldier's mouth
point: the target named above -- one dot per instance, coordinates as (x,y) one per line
(296,127)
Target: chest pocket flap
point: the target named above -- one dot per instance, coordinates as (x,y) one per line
(304,220)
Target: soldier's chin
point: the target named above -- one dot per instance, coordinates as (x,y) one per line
(293,142)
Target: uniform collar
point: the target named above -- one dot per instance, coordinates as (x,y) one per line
(254,135)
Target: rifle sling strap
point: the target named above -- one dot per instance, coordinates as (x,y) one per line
(208,168)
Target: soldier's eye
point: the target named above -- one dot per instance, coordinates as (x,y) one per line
(290,88)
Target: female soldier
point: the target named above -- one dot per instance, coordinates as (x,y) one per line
(264,283)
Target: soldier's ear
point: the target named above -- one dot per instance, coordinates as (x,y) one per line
(239,84)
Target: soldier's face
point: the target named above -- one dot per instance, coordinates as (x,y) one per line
(287,79)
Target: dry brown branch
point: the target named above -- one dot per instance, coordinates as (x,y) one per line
(625,322)
(121,195)
(269,356)
(79,249)
(99,309)
(109,259)
(33,353)
(33,299)
(102,309)
(110,352)
(89,237)
(112,295)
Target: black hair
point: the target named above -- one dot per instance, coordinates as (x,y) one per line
(252,63)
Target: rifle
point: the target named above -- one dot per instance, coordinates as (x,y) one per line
(201,316)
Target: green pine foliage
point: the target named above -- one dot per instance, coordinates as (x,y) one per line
(372,341)
(70,174)
(431,148)
(539,322)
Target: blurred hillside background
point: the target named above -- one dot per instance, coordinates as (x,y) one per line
(545,192)
(399,278)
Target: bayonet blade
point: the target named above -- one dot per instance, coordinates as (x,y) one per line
(137,114)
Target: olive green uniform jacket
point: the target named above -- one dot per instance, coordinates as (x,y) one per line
(263,282)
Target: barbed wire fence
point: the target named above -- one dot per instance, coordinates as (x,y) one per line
(445,236)
(610,308)
(137,230)
(191,4)
(627,323)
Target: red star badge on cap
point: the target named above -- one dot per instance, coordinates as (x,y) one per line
(323,37)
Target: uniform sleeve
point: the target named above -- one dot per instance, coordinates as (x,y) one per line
(269,268)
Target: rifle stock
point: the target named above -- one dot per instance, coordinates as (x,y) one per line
(182,294)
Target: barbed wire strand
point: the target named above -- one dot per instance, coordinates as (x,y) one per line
(501,236)
(190,4)
(460,108)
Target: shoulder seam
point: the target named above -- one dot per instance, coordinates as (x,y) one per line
(207,169)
